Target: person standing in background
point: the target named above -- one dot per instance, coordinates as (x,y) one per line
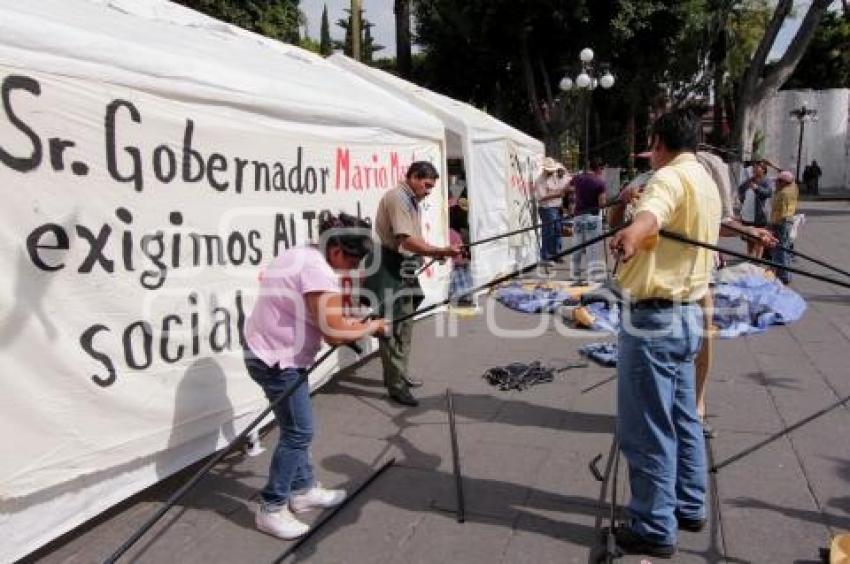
(753,194)
(549,190)
(782,218)
(589,199)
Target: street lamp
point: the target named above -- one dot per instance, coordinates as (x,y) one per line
(588,79)
(802,115)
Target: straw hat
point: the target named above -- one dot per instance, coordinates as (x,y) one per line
(550,164)
(786,176)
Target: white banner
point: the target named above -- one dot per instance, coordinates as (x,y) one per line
(134,227)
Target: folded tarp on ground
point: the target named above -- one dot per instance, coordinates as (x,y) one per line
(602,353)
(745,303)
(752,304)
(747,306)
(540,298)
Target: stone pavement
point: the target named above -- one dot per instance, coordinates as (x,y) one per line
(529,495)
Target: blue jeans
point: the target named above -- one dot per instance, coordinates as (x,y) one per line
(660,432)
(782,231)
(290,468)
(551,232)
(585,227)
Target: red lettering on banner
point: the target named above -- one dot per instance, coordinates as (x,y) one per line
(343,166)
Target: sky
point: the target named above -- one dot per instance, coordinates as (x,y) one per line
(379,12)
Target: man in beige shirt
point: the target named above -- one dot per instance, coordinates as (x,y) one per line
(392,270)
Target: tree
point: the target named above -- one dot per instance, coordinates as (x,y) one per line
(508,57)
(401,8)
(325,42)
(278,19)
(759,83)
(368,45)
(826,63)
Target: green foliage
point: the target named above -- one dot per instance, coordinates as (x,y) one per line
(747,24)
(310,45)
(826,63)
(367,43)
(325,42)
(473,52)
(278,19)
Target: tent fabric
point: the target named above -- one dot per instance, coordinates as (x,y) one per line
(501,164)
(141,95)
(191,57)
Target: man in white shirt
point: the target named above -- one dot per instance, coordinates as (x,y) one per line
(549,189)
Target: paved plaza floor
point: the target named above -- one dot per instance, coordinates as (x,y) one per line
(529,495)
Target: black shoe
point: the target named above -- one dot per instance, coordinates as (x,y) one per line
(632,543)
(413,382)
(690,525)
(404,397)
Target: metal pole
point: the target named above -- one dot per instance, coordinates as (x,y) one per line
(779,434)
(461,509)
(335,510)
(754,260)
(587,129)
(802,119)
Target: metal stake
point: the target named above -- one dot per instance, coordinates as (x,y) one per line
(461,510)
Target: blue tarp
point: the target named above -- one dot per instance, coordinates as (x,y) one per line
(539,300)
(603,353)
(747,305)
(752,304)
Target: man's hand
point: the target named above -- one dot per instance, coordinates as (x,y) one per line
(380,327)
(641,234)
(764,235)
(630,193)
(624,245)
(453,251)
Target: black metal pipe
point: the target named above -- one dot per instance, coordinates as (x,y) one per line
(511,275)
(330,515)
(777,435)
(461,507)
(491,239)
(184,489)
(763,262)
(178,495)
(789,250)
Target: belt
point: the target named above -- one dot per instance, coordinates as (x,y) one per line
(658,303)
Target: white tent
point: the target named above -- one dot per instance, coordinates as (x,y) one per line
(826,140)
(501,164)
(153,160)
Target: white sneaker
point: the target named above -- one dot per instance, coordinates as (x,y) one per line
(281,524)
(316,497)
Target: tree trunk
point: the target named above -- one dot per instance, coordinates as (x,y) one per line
(718,61)
(630,133)
(531,88)
(755,89)
(402,37)
(356,41)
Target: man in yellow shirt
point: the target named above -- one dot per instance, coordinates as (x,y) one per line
(661,332)
(782,218)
